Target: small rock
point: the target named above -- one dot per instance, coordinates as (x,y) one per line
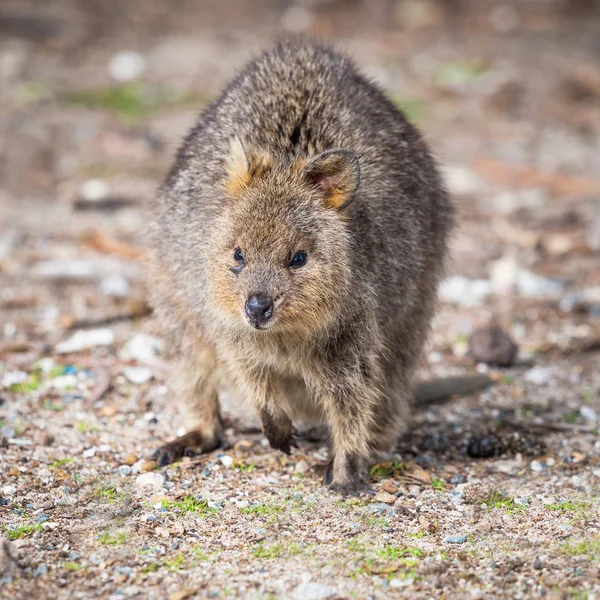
(152,480)
(538,375)
(389,486)
(301,467)
(379,508)
(131,459)
(476,492)
(456,539)
(85,339)
(124,470)
(125,66)
(588,413)
(504,273)
(400,583)
(94,190)
(385,497)
(492,346)
(141,347)
(531,285)
(8,556)
(354,527)
(115,286)
(313,591)
(9,490)
(109,410)
(89,452)
(536,466)
(464,291)
(40,570)
(227,461)
(138,375)
(456,479)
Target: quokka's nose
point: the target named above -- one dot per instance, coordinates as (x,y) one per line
(259,309)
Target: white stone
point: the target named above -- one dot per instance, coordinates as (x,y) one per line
(313,591)
(588,413)
(538,375)
(115,286)
(89,452)
(536,466)
(462,181)
(150,480)
(126,66)
(532,285)
(400,583)
(94,190)
(84,339)
(14,378)
(227,461)
(464,291)
(9,490)
(504,274)
(138,375)
(142,347)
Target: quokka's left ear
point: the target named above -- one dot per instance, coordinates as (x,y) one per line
(336,174)
(243,168)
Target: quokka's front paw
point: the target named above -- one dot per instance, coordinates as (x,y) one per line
(192,443)
(278,429)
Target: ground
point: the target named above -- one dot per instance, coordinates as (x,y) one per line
(508,95)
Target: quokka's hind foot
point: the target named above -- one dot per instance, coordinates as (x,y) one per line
(192,443)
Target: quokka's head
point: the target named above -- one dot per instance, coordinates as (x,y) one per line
(279,255)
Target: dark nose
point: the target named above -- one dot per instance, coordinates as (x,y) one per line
(259,309)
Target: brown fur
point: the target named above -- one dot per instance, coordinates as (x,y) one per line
(301,153)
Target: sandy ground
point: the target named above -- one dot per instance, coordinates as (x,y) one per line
(509,96)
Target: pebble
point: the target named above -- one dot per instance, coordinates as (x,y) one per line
(127,65)
(94,190)
(89,452)
(536,466)
(492,346)
(141,347)
(42,518)
(379,508)
(138,375)
(538,375)
(14,378)
(588,413)
(85,339)
(153,480)
(124,470)
(354,527)
(384,497)
(530,285)
(504,273)
(313,591)
(400,583)
(227,461)
(456,479)
(40,570)
(9,490)
(463,291)
(462,181)
(127,571)
(301,467)
(115,286)
(456,539)
(131,459)
(389,486)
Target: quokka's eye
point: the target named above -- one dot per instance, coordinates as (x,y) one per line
(238,256)
(298,260)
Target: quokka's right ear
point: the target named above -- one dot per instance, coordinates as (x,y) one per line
(243,168)
(335,174)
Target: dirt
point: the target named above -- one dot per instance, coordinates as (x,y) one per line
(496,495)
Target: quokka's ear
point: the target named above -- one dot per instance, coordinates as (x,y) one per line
(336,174)
(243,168)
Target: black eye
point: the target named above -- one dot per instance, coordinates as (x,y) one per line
(298,260)
(238,256)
